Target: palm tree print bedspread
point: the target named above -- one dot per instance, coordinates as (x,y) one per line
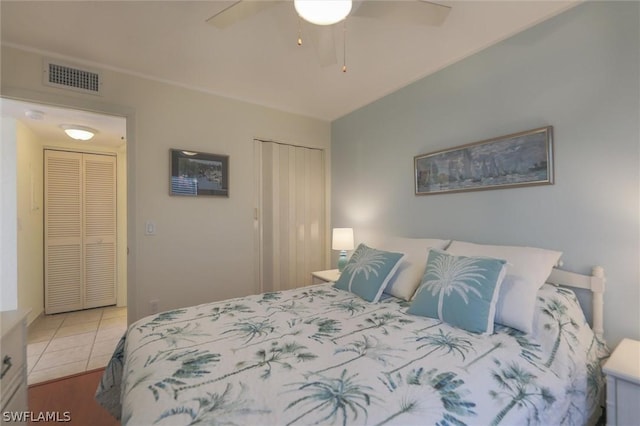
(322,356)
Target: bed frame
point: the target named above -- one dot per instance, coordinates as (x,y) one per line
(594,282)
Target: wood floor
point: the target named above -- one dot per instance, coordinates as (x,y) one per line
(74,395)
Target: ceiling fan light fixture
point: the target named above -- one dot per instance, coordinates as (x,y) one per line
(323,12)
(81,133)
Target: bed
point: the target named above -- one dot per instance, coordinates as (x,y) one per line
(325,355)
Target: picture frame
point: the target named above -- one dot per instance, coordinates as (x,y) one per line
(195,174)
(515,160)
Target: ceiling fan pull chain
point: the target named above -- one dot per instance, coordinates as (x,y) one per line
(299,31)
(344,47)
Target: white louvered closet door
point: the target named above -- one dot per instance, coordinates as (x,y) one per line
(80,231)
(99,230)
(291,214)
(63,263)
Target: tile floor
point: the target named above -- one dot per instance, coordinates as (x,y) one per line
(63,344)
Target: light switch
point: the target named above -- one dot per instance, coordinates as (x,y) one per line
(150,228)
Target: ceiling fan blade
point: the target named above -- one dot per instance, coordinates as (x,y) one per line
(415,12)
(238,11)
(323,40)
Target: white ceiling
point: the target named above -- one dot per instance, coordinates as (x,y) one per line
(110,130)
(257,59)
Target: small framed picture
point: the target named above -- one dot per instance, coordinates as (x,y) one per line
(196,174)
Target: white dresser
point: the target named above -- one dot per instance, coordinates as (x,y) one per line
(13,363)
(623,384)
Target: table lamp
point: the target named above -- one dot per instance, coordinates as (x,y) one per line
(343,241)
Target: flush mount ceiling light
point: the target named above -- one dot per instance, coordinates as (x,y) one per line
(325,12)
(81,133)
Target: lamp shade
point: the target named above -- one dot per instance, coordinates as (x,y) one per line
(324,12)
(342,239)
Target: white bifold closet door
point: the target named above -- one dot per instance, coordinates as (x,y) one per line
(291,215)
(79,231)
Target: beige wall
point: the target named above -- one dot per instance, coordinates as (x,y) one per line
(30,226)
(204,247)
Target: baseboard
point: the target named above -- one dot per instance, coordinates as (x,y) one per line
(40,315)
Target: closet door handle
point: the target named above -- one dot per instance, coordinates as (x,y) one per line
(6,365)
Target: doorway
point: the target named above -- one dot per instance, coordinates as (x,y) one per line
(39,127)
(90,333)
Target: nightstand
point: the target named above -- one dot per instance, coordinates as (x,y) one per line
(328,276)
(623,384)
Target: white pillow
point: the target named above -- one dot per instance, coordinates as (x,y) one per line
(409,275)
(516,303)
(527,270)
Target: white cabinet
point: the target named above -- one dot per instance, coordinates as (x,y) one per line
(327,276)
(623,384)
(13,360)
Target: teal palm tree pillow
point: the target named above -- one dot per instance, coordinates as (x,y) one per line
(368,272)
(461,291)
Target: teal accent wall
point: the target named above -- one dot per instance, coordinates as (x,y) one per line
(578,72)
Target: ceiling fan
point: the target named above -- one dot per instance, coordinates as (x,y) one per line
(321,15)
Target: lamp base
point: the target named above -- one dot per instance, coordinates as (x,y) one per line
(342,260)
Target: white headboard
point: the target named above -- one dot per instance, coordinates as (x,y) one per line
(594,282)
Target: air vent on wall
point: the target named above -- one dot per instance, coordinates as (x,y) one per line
(65,76)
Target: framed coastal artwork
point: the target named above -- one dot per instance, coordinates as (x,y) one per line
(519,159)
(197,173)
